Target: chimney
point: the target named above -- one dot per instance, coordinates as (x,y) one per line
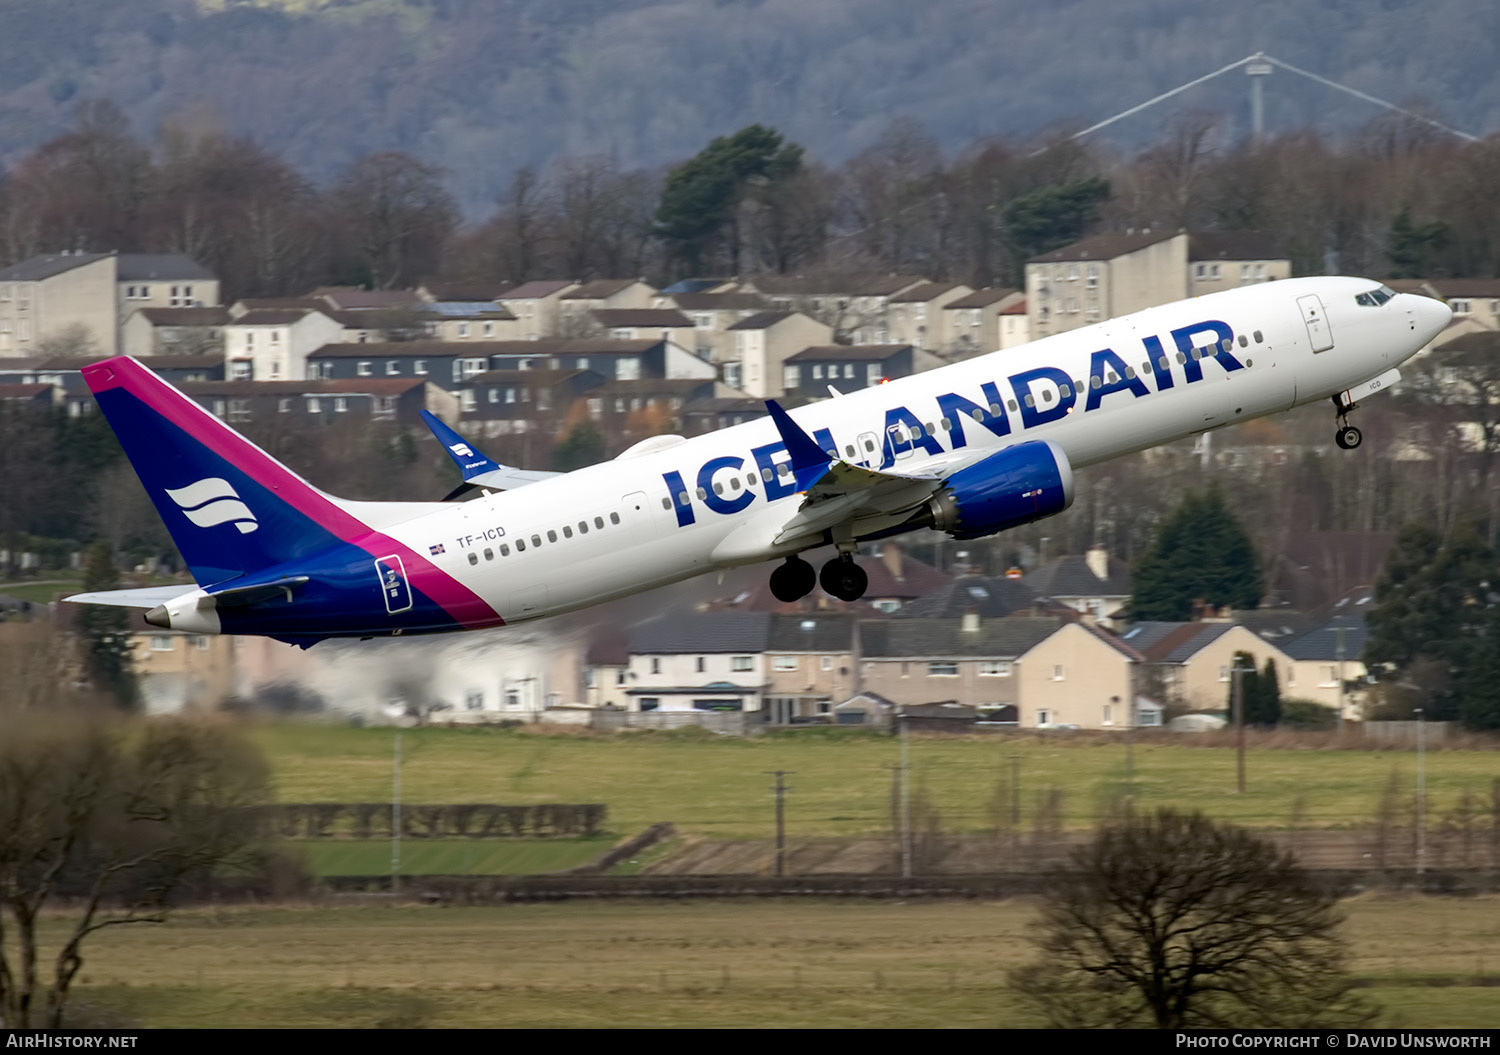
(970,623)
(890,556)
(1098,561)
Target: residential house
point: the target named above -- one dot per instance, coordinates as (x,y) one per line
(712,314)
(357,298)
(174,331)
(1188,665)
(177,671)
(1084,677)
(324,402)
(445,363)
(32,397)
(65,297)
(1093,584)
(61,373)
(634,410)
(1326,664)
(972,323)
(719,411)
(1109,275)
(502,402)
(990,598)
(812,666)
(473,320)
(635,324)
(846,367)
(536,307)
(162,280)
(698,661)
(273,344)
(577,305)
(854,307)
(762,345)
(918,315)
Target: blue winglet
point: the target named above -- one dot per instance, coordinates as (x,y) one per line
(470,462)
(809,461)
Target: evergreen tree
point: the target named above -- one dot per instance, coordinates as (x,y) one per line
(1412,246)
(1480,706)
(1431,613)
(1267,711)
(700,201)
(1200,553)
(104,631)
(581,446)
(1052,217)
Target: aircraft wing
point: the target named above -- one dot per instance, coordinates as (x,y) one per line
(478,470)
(835,494)
(146,597)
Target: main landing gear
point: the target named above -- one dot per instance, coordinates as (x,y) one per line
(840,577)
(1347,437)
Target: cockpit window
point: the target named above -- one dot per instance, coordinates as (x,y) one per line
(1376,297)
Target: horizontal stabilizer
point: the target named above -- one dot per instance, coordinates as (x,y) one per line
(146,597)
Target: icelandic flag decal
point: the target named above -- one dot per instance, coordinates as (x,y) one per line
(435,550)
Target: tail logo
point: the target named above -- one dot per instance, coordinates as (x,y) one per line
(463,450)
(211,502)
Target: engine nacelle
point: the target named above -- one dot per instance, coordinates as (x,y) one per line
(1015,486)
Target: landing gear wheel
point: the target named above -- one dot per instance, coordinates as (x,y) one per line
(794,580)
(844,579)
(1348,437)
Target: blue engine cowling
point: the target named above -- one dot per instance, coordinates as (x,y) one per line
(1015,486)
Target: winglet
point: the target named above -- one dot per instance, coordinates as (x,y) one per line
(809,461)
(470,462)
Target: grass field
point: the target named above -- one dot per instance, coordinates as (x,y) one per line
(777,963)
(449,856)
(41,592)
(720,787)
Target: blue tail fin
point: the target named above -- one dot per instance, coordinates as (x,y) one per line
(231,508)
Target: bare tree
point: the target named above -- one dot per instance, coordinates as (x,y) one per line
(1173,921)
(103,822)
(396,215)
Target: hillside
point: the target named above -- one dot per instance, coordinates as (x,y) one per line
(483,86)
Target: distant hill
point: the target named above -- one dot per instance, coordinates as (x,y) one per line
(483,86)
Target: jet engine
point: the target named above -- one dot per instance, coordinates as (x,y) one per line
(1015,486)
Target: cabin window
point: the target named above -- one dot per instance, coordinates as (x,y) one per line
(930,430)
(1130,373)
(536,540)
(702,494)
(473,558)
(1181,358)
(943,424)
(520,545)
(567,532)
(1046,395)
(583,527)
(765,474)
(504,549)
(666,503)
(850,452)
(1258,337)
(735,483)
(1162,362)
(994,409)
(551,536)
(1244,340)
(489,554)
(750,481)
(718,488)
(599,522)
(1065,390)
(614,518)
(1012,404)
(1094,381)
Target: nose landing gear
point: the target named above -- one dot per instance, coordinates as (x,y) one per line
(1347,437)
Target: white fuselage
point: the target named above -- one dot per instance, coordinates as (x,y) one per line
(1130,382)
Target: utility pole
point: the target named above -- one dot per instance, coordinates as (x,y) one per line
(1015,792)
(1421,792)
(1239,722)
(1338,652)
(780,790)
(396,820)
(905,800)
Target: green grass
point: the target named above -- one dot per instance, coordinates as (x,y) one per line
(41,592)
(720,787)
(449,856)
(724,963)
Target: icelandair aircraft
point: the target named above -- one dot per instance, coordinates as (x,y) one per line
(970,449)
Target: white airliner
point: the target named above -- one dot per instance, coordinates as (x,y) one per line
(970,449)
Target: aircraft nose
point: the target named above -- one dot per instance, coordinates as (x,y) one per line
(1432,315)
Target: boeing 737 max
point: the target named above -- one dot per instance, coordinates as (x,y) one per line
(969,449)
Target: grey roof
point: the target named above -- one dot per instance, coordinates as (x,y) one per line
(836,285)
(271,317)
(599,288)
(718,301)
(1071,576)
(42,267)
(186,316)
(811,633)
(762,320)
(688,632)
(161,267)
(1233,245)
(1104,246)
(1322,642)
(468,309)
(1006,638)
(990,598)
(924,292)
(641,317)
(1173,642)
(352,298)
(980,298)
(534,290)
(876,353)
